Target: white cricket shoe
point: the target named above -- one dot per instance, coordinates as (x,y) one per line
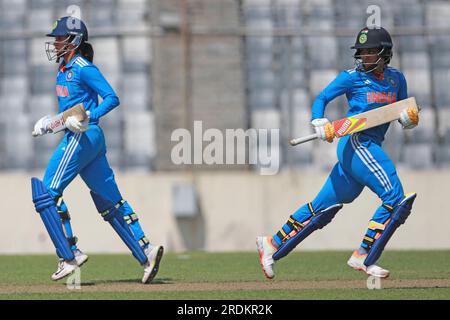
(65,268)
(80,257)
(266,250)
(356,261)
(151,267)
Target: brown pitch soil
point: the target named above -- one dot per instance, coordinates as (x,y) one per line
(161,286)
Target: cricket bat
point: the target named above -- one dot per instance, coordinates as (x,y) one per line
(365,120)
(57,123)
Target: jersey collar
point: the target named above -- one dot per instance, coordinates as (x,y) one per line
(63,67)
(382,76)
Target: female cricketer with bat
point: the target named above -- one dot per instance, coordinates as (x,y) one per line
(361,160)
(82,151)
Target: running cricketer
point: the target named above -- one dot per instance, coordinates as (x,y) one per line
(82,151)
(361,160)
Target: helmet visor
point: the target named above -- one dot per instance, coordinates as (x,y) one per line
(57,49)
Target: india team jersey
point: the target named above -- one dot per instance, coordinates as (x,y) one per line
(81,82)
(364,92)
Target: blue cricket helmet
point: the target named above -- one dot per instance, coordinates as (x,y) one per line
(66,26)
(74,29)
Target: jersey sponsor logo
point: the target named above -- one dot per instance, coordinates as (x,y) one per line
(348,125)
(62,91)
(381,97)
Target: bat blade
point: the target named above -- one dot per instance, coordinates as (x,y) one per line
(366,120)
(372,118)
(77,111)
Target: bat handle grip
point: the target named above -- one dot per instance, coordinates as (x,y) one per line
(297,141)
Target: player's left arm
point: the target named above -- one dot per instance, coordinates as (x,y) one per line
(92,77)
(409,118)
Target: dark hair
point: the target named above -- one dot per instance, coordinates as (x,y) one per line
(87,51)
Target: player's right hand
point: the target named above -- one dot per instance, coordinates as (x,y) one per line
(409,118)
(76,126)
(41,126)
(324,129)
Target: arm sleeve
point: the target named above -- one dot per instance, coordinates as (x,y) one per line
(92,77)
(337,87)
(403,88)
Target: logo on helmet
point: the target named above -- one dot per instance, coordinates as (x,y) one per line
(55,25)
(362,38)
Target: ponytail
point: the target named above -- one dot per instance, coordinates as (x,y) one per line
(87,51)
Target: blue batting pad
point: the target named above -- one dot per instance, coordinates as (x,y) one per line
(111,214)
(46,207)
(320,220)
(398,218)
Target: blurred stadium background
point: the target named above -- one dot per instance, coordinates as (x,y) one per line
(232,64)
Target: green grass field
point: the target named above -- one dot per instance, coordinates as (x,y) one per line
(199,275)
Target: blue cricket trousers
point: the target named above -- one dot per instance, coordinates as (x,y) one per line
(85,154)
(361,162)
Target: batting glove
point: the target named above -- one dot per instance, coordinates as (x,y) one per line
(41,126)
(409,118)
(76,126)
(324,129)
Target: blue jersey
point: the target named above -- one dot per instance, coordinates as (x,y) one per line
(364,92)
(80,81)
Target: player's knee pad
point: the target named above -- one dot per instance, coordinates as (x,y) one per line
(46,207)
(111,213)
(398,217)
(318,221)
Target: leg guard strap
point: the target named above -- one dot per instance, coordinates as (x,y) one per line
(131,218)
(46,207)
(64,215)
(318,221)
(111,214)
(65,220)
(399,216)
(375,230)
(293,226)
(143,241)
(73,241)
